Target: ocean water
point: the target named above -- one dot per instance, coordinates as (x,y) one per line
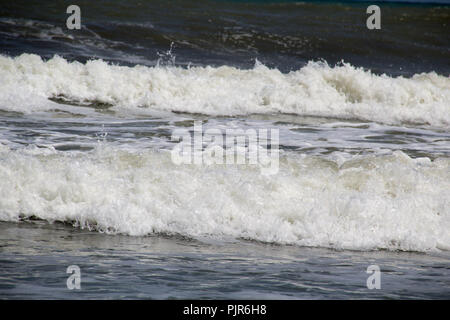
(88,178)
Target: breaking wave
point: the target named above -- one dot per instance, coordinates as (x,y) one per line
(389,202)
(317,89)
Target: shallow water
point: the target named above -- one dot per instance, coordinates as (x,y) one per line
(34,259)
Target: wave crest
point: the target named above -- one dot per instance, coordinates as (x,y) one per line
(317,89)
(388,202)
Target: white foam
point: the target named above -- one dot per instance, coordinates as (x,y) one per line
(316,89)
(391,202)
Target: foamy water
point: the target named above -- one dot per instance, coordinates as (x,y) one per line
(317,89)
(375,202)
(92,148)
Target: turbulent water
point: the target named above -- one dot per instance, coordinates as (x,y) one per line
(317,89)
(87,117)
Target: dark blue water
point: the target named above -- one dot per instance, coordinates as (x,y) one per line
(285,35)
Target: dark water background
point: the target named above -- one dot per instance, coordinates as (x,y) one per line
(413,38)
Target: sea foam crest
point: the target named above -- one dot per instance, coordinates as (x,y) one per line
(317,89)
(370,202)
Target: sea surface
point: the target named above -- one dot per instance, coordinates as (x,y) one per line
(88,120)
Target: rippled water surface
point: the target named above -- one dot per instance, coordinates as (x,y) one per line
(34,259)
